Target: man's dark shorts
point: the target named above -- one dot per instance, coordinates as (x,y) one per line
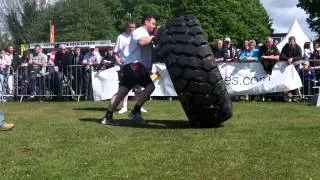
(135,74)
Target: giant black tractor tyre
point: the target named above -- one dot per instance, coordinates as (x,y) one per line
(181,45)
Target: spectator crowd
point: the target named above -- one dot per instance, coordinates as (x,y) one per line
(306,61)
(61,73)
(66,72)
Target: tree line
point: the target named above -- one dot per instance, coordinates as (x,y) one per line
(27,21)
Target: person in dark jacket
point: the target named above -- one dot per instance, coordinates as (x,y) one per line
(62,60)
(269,55)
(290,53)
(77,71)
(315,62)
(108,60)
(218,51)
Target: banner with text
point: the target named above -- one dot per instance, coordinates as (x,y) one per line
(250,78)
(105,83)
(240,79)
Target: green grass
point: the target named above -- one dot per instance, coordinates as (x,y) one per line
(65,141)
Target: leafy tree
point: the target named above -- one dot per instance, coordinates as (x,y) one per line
(20,17)
(120,11)
(313,9)
(245,19)
(5,39)
(81,20)
(28,20)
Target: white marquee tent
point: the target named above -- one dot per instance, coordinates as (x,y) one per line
(298,33)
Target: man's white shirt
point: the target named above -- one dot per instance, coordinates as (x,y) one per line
(122,46)
(133,52)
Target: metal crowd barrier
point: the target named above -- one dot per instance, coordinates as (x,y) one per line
(7,83)
(74,82)
(50,81)
(310,77)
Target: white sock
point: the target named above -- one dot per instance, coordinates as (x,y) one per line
(125,105)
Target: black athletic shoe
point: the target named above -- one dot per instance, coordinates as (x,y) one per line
(109,121)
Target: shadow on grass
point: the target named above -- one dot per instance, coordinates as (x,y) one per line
(152,124)
(94,109)
(90,109)
(155,124)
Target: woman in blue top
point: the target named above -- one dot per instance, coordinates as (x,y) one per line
(251,54)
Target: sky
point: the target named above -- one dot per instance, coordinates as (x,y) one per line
(283,13)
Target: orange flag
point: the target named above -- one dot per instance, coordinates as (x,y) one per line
(51,32)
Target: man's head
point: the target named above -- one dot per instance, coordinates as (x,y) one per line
(269,41)
(245,44)
(37,49)
(218,43)
(91,48)
(96,52)
(226,42)
(62,48)
(316,46)
(109,51)
(10,49)
(2,53)
(307,45)
(131,26)
(77,50)
(149,23)
(292,41)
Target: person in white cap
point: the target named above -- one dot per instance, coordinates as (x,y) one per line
(228,50)
(91,59)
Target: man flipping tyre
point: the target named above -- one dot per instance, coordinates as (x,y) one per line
(135,71)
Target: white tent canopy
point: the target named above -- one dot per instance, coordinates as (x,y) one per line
(298,33)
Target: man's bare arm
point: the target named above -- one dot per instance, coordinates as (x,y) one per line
(117,58)
(145,40)
(272,57)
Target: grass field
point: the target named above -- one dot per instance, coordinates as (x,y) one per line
(64,140)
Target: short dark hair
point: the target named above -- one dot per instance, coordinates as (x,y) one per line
(147,17)
(130,22)
(38,45)
(9,45)
(109,48)
(306,45)
(292,38)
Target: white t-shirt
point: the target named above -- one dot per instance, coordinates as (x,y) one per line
(139,53)
(122,46)
(92,57)
(307,53)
